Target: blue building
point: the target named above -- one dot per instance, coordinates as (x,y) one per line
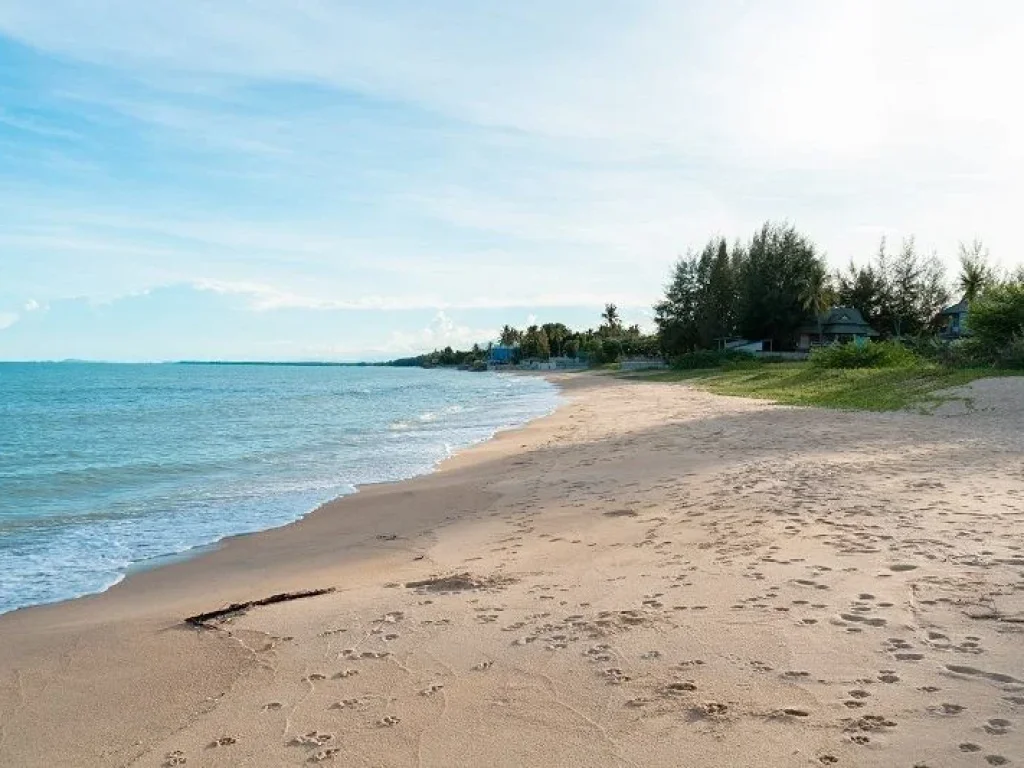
(502,355)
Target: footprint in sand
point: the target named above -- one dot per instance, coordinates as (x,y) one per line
(323,755)
(997,727)
(674,689)
(347,704)
(272,706)
(947,709)
(389,721)
(345,673)
(223,741)
(482,666)
(177,757)
(870,723)
(312,739)
(712,709)
(996,760)
(431,689)
(969,747)
(790,712)
(616,676)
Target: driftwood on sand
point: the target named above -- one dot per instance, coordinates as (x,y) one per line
(205,620)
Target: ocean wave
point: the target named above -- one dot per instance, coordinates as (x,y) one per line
(249,453)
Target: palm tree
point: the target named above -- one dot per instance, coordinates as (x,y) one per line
(611,316)
(816,296)
(975,273)
(510,336)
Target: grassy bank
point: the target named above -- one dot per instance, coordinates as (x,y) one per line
(873,389)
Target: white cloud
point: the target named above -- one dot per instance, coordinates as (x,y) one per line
(264,298)
(7,319)
(332,156)
(442,332)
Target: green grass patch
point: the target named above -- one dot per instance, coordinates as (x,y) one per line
(873,389)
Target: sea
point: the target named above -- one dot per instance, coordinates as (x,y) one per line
(106,468)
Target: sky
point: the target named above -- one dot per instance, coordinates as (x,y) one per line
(317,179)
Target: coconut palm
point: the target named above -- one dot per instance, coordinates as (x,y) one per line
(816,296)
(975,273)
(611,317)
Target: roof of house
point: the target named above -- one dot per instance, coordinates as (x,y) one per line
(957,309)
(840,320)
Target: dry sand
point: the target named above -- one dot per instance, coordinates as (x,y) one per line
(652,576)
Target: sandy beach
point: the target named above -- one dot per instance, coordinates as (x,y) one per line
(651,576)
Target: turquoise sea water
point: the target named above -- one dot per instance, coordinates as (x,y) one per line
(106,466)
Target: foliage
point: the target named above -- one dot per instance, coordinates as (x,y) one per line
(706,358)
(914,291)
(611,350)
(676,314)
(997,317)
(774,278)
(1012,355)
(884,354)
(873,389)
(612,321)
(961,353)
(445,357)
(535,344)
(558,335)
(975,273)
(864,289)
(700,301)
(510,336)
(897,295)
(605,345)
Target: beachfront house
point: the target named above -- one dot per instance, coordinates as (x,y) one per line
(839,325)
(954,320)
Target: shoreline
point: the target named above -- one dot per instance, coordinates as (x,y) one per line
(649,571)
(199,551)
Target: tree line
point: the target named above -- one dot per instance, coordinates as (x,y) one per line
(778,281)
(767,289)
(607,343)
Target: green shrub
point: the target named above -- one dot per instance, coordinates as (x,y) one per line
(611,350)
(886,354)
(1012,354)
(961,353)
(709,358)
(997,317)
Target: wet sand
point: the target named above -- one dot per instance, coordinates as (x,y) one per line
(652,576)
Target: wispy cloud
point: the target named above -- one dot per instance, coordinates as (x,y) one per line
(322,156)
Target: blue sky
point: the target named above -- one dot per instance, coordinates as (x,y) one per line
(329,180)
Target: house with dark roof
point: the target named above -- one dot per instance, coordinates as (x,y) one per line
(838,325)
(954,320)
